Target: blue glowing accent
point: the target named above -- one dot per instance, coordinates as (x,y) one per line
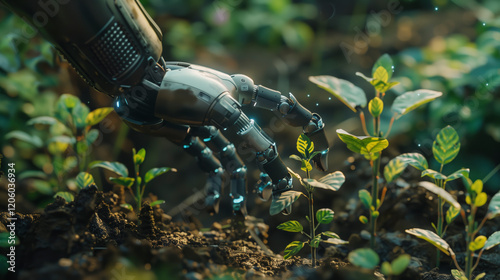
(126,101)
(238,200)
(324,152)
(186,146)
(224,149)
(207,139)
(118,104)
(238,170)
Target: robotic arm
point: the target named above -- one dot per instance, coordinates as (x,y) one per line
(116,47)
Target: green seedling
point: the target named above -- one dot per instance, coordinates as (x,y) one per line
(368,259)
(332,182)
(373,143)
(475,244)
(68,136)
(138,181)
(445,149)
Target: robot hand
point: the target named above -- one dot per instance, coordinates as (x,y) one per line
(116,47)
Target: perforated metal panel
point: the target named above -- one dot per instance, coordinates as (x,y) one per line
(114,49)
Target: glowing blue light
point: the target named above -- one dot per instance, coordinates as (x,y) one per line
(329,98)
(308,95)
(186,146)
(419,145)
(484,23)
(317,104)
(207,139)
(118,104)
(238,200)
(224,149)
(436,8)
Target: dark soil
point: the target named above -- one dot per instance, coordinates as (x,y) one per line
(93,238)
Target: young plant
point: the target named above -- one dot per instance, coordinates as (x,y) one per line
(373,143)
(332,182)
(445,148)
(475,198)
(136,180)
(369,259)
(69,135)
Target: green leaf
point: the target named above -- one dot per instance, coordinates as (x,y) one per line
(478,243)
(414,159)
(315,241)
(492,241)
(155,172)
(332,181)
(481,199)
(293,248)
(23,136)
(305,146)
(92,136)
(294,174)
(384,61)
(393,169)
(97,115)
(115,167)
(494,207)
(364,257)
(365,145)
(127,206)
(432,238)
(324,216)
(440,192)
(386,268)
(156,202)
(79,114)
(42,121)
(458,275)
(285,200)
(451,214)
(127,182)
(296,157)
(349,94)
(477,187)
(366,198)
(413,99)
(376,106)
(434,174)
(66,195)
(462,173)
(446,146)
(139,156)
(84,180)
(400,264)
(32,174)
(291,226)
(42,187)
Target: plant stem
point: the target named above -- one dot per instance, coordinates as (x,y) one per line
(311,222)
(363,122)
(373,220)
(390,126)
(138,195)
(487,177)
(439,226)
(469,255)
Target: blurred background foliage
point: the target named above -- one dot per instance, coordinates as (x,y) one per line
(446,45)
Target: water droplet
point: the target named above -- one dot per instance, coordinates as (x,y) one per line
(392,68)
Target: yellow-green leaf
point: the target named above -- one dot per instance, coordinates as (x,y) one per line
(363,219)
(376,106)
(332,181)
(440,192)
(381,74)
(481,199)
(156,202)
(127,182)
(285,200)
(366,198)
(384,61)
(434,174)
(155,172)
(315,241)
(393,169)
(115,167)
(458,275)
(478,243)
(324,216)
(349,94)
(84,180)
(305,146)
(400,264)
(97,115)
(365,145)
(306,165)
(293,248)
(291,226)
(451,214)
(139,156)
(446,146)
(66,195)
(477,187)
